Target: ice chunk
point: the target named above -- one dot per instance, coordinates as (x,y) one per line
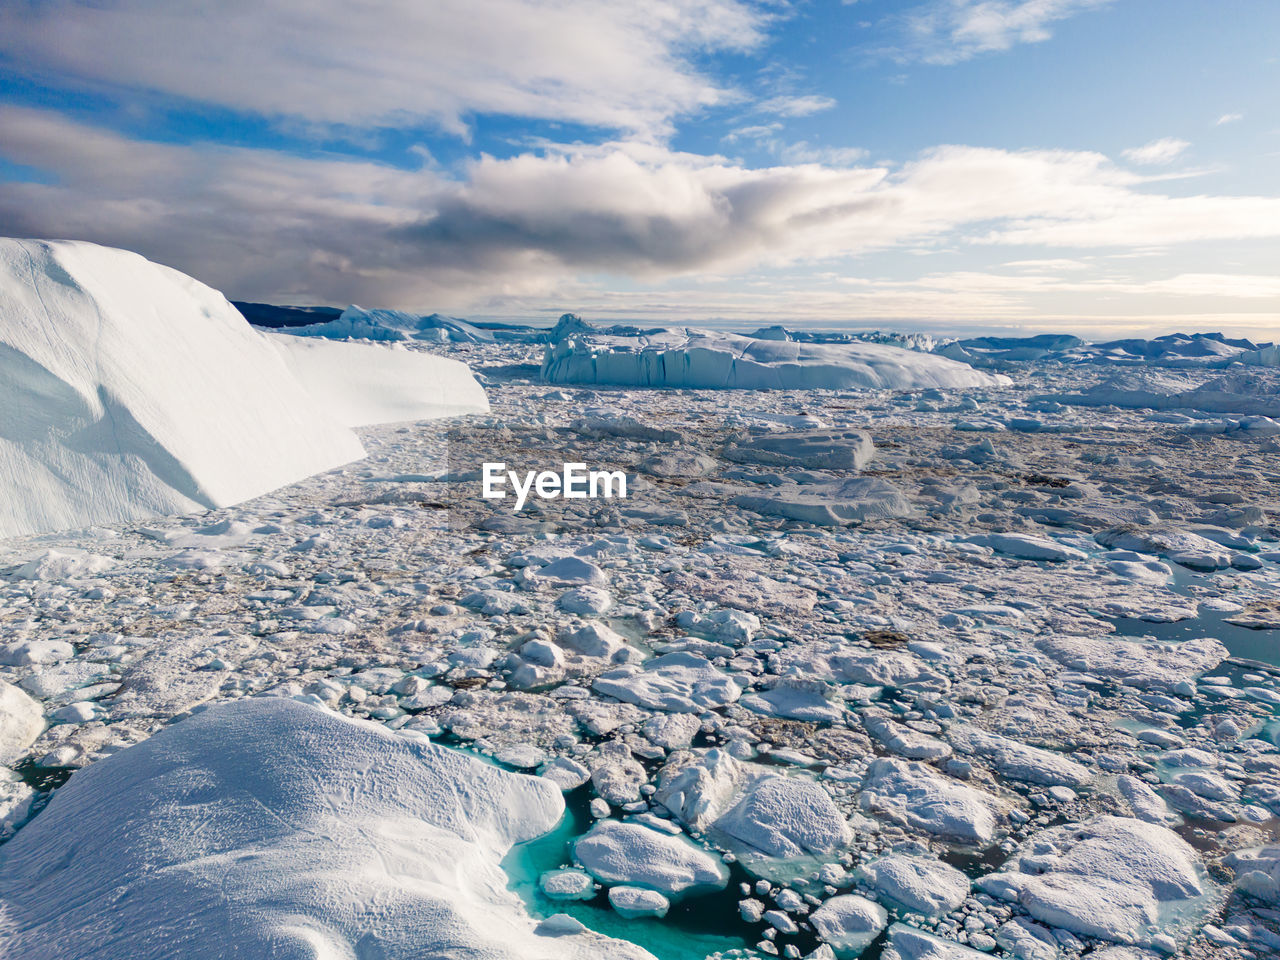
(786,817)
(815,449)
(855,500)
(908,943)
(679,682)
(1017,760)
(21,721)
(1025,547)
(917,884)
(635,855)
(919,796)
(1114,878)
(633,902)
(849,923)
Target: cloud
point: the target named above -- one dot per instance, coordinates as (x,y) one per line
(795,106)
(617,64)
(1228,118)
(263,224)
(1157,152)
(951,31)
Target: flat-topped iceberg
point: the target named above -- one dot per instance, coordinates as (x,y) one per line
(711,360)
(271,828)
(132,390)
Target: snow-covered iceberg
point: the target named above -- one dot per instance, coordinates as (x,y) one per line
(270,828)
(130,390)
(703,359)
(359,384)
(357,323)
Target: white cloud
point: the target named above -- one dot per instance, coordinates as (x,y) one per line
(1228,118)
(619,64)
(1157,152)
(788,106)
(950,31)
(260,224)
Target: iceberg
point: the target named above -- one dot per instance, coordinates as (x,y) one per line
(710,360)
(132,390)
(272,828)
(357,323)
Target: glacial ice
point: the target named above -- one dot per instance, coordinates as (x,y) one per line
(704,359)
(131,391)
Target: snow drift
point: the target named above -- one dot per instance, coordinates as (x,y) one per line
(271,828)
(700,359)
(130,390)
(359,384)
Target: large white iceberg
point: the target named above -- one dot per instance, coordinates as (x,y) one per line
(130,390)
(703,359)
(271,828)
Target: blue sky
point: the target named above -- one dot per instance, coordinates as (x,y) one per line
(1105,166)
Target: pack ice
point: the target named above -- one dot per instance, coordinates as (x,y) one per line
(132,390)
(704,359)
(267,827)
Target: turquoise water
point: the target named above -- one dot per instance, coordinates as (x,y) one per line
(694,928)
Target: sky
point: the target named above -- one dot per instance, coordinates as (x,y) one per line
(1105,167)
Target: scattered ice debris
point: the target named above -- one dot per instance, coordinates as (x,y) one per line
(1022,650)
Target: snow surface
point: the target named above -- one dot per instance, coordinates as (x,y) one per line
(359,384)
(704,359)
(268,827)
